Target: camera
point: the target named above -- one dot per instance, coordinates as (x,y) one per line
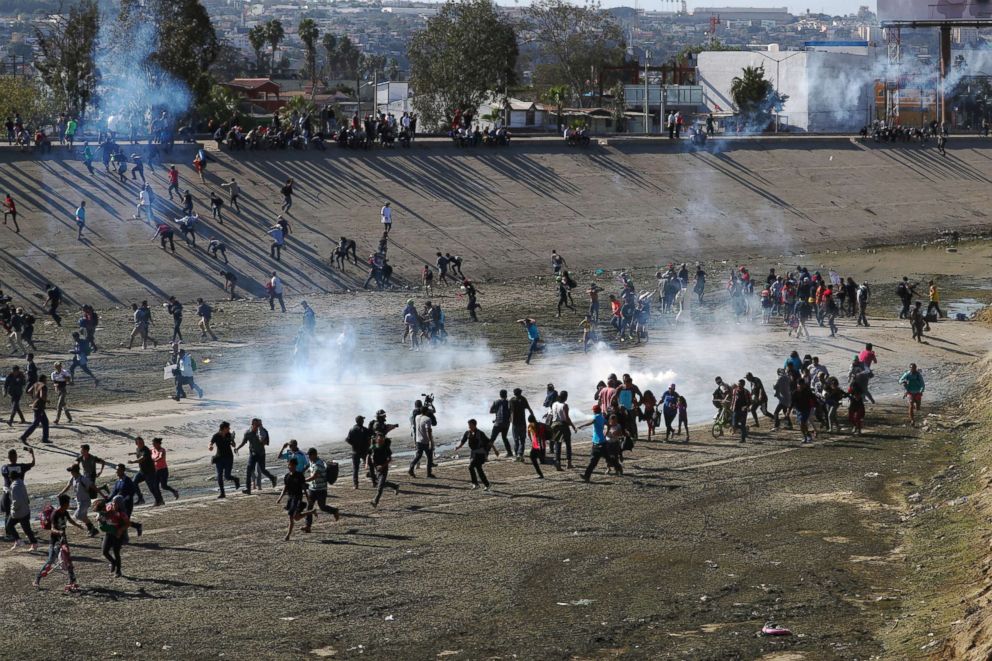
(428,402)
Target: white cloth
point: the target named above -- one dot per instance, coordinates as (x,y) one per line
(387,215)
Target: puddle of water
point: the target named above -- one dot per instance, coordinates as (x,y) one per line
(967,306)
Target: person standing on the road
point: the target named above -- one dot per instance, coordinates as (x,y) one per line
(480,445)
(146,472)
(917,321)
(862,295)
(162,467)
(934,303)
(561,430)
(80,216)
(905,291)
(386,216)
(175,308)
(360,440)
(39,400)
(13,387)
(317,480)
(275,288)
(61,379)
(519,412)
(222,445)
(912,382)
(740,405)
(257,438)
(58,545)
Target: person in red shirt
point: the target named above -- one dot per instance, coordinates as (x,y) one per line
(174,181)
(10,209)
(162,468)
(867,356)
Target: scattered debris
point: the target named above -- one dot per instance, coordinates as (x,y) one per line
(772,629)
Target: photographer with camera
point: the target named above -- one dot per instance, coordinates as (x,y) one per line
(423,419)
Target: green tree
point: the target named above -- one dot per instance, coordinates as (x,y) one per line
(344,59)
(183,42)
(274,34)
(574,42)
(257,38)
(557,96)
(755,97)
(467,52)
(221,104)
(28,97)
(308,35)
(66,52)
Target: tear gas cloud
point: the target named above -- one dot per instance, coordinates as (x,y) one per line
(317,400)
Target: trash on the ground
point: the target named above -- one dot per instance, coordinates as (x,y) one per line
(872,474)
(772,629)
(390,618)
(287,619)
(577,602)
(914,497)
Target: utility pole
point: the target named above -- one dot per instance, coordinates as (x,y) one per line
(647,113)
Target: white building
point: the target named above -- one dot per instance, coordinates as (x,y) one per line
(828,92)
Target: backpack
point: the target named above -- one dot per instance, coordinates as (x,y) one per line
(331,474)
(46,516)
(902,290)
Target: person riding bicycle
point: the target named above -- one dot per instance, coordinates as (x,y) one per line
(722,400)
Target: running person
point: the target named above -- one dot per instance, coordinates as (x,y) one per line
(222,445)
(317,479)
(256,438)
(58,545)
(912,382)
(294,484)
(480,445)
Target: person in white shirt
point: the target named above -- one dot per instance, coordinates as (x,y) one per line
(185,367)
(386,214)
(145,202)
(61,378)
(423,426)
(275,292)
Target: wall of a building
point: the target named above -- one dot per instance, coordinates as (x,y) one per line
(827,92)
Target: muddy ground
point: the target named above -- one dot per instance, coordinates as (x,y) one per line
(684,557)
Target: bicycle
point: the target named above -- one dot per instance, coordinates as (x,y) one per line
(721,422)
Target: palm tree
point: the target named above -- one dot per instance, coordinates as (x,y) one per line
(756,97)
(330,44)
(274,34)
(257,38)
(557,96)
(308,35)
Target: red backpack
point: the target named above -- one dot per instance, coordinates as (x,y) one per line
(46,516)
